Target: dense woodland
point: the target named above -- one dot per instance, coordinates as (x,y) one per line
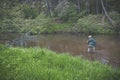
(51,16)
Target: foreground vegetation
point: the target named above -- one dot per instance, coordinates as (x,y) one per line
(42,64)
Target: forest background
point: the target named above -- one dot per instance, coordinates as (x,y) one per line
(60,16)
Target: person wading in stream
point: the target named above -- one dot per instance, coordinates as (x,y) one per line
(91,44)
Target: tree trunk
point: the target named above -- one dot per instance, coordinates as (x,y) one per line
(106,13)
(87,6)
(78,5)
(97,7)
(48,8)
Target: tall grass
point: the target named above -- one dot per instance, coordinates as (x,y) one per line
(43,64)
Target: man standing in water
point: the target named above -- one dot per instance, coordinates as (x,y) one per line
(91,44)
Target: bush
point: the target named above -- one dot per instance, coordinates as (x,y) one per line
(66,11)
(92,23)
(42,24)
(30,12)
(116,18)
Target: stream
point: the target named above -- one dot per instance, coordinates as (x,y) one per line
(107,48)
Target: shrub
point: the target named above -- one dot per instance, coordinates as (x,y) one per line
(66,10)
(30,12)
(116,17)
(92,23)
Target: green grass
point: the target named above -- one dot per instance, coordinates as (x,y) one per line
(43,64)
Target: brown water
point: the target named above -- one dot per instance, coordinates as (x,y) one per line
(107,48)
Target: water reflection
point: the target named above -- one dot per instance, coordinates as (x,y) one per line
(107,49)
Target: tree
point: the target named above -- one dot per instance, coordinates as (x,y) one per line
(106,13)
(48,5)
(87,6)
(6,6)
(66,10)
(78,6)
(97,6)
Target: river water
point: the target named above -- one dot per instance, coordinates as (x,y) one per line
(107,48)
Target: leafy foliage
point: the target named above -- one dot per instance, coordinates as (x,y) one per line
(30,12)
(65,10)
(92,23)
(33,15)
(116,17)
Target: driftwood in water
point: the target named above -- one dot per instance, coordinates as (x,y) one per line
(18,41)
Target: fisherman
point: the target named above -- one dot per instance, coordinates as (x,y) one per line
(91,44)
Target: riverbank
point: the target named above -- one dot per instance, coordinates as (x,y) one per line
(43,64)
(90,24)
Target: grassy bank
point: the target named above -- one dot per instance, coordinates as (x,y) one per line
(42,64)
